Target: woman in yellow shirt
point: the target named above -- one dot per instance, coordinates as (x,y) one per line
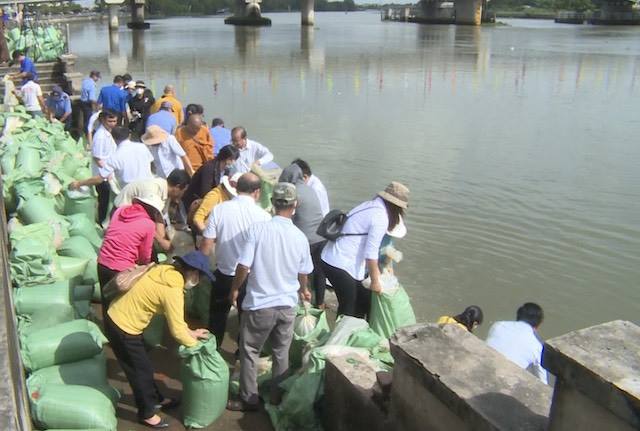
(159,291)
(468,320)
(223,192)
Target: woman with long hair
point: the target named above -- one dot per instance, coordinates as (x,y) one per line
(469,319)
(347,260)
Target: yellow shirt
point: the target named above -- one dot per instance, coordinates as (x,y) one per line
(210,200)
(159,291)
(448,320)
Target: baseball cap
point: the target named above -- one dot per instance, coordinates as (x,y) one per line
(285,192)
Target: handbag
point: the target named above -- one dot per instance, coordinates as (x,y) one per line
(124,281)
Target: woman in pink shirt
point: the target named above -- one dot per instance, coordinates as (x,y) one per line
(129,239)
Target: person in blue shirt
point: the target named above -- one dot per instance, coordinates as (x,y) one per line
(114,98)
(89,95)
(26,66)
(221,135)
(164,118)
(59,106)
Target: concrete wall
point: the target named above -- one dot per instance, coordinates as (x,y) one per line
(446,379)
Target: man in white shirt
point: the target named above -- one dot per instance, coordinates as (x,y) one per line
(251,152)
(519,341)
(168,155)
(102,147)
(315,183)
(226,228)
(130,162)
(31,95)
(276,260)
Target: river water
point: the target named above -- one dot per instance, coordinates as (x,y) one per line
(519,142)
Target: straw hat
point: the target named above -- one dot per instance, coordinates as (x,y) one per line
(396,193)
(228,183)
(152,201)
(154,135)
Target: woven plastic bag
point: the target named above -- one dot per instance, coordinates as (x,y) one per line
(310,328)
(87,372)
(80,202)
(56,406)
(59,295)
(44,318)
(153,334)
(61,344)
(31,263)
(80,225)
(81,247)
(205,380)
(71,267)
(390,310)
(37,209)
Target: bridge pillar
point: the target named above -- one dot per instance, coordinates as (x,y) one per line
(307,13)
(137,11)
(114,21)
(468,12)
(247,12)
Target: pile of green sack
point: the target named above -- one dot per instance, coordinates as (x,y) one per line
(42,43)
(54,242)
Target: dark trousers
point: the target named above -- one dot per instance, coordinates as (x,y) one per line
(87,112)
(220,304)
(136,364)
(104,276)
(104,192)
(319,279)
(353,298)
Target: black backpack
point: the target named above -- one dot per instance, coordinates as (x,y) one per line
(331,225)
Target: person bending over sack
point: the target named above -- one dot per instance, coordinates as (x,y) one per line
(159,291)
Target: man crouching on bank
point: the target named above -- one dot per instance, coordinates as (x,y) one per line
(277,253)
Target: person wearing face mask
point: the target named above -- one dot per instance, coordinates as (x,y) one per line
(139,107)
(209,175)
(59,106)
(196,140)
(159,291)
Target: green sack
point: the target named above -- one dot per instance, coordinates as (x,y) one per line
(80,225)
(81,247)
(316,337)
(28,161)
(28,300)
(83,292)
(82,308)
(71,267)
(205,381)
(77,201)
(37,209)
(56,406)
(43,319)
(61,344)
(391,310)
(27,188)
(87,372)
(8,163)
(42,232)
(154,333)
(202,300)
(31,263)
